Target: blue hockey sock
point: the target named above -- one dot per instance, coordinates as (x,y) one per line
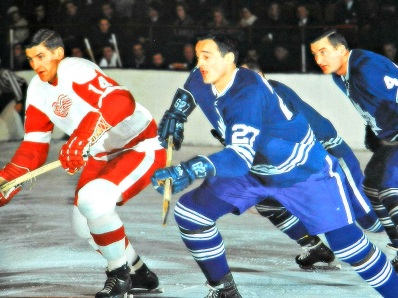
(201,236)
(350,245)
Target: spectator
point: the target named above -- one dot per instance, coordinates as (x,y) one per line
(102,35)
(138,59)
(19,24)
(247,18)
(281,60)
(12,90)
(12,105)
(219,23)
(158,61)
(156,31)
(74,24)
(39,18)
(249,23)
(189,59)
(274,23)
(389,49)
(306,33)
(251,56)
(109,58)
(108,12)
(77,51)
(350,12)
(387,21)
(20,62)
(183,31)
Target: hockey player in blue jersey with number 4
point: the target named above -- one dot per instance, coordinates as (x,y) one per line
(270,149)
(370,81)
(314,251)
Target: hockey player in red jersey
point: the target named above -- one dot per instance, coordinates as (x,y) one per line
(113,139)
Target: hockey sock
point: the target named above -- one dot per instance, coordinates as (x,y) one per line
(389,198)
(282,219)
(203,241)
(131,255)
(382,214)
(370,222)
(350,245)
(108,233)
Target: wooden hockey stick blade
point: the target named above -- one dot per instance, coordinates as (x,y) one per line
(30,175)
(167,185)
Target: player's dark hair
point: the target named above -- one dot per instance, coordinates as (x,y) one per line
(49,38)
(335,38)
(226,44)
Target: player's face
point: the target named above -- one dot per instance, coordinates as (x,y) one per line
(329,58)
(45,61)
(213,66)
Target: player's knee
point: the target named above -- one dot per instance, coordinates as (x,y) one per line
(190,219)
(97,198)
(357,253)
(270,208)
(79,224)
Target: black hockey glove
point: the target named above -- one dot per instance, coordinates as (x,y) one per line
(183,174)
(372,142)
(174,118)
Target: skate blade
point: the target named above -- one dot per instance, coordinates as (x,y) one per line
(321,267)
(390,246)
(137,291)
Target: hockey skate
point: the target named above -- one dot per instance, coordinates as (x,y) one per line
(225,289)
(314,253)
(394,262)
(117,285)
(144,281)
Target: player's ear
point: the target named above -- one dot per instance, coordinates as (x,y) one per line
(342,49)
(59,53)
(229,58)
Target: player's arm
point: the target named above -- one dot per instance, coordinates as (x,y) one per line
(31,154)
(114,104)
(234,160)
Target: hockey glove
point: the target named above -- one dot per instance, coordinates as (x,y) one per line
(183,174)
(174,118)
(9,173)
(74,153)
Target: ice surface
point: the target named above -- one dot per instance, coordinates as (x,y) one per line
(41,257)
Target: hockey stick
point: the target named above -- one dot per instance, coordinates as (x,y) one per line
(167,185)
(89,50)
(30,175)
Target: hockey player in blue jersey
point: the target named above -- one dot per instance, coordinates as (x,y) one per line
(370,81)
(270,150)
(314,250)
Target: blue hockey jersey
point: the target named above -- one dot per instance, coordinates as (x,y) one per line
(262,134)
(322,127)
(371,83)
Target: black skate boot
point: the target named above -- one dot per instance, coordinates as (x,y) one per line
(117,285)
(394,262)
(315,251)
(143,279)
(226,288)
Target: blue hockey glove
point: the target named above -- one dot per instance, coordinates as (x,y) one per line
(174,118)
(183,174)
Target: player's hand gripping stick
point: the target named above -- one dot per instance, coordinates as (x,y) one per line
(172,123)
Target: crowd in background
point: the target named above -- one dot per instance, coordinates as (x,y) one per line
(160,34)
